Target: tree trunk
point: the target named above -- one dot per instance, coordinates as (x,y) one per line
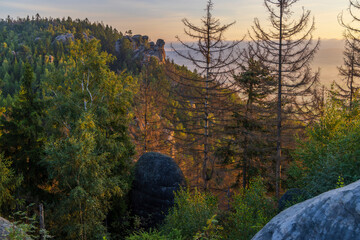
(279,110)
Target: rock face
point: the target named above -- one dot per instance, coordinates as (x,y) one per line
(88,38)
(292,196)
(157,176)
(4,225)
(332,215)
(70,37)
(143,48)
(65,37)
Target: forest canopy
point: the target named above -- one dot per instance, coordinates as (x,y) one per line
(80,104)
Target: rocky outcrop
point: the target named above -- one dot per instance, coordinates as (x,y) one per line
(157,177)
(6,227)
(70,37)
(332,215)
(88,38)
(65,37)
(143,48)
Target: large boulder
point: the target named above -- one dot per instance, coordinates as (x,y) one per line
(5,225)
(157,177)
(332,215)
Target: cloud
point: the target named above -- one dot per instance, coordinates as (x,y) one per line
(33,7)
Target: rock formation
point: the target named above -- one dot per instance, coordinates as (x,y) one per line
(4,226)
(143,48)
(332,215)
(156,178)
(88,38)
(65,37)
(70,37)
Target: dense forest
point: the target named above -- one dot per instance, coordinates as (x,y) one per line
(246,125)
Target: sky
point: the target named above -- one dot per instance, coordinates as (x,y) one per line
(162,18)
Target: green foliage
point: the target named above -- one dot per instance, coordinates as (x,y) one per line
(25,227)
(9,181)
(88,155)
(211,231)
(190,213)
(65,124)
(155,235)
(251,210)
(330,150)
(340,183)
(23,135)
(249,146)
(194,216)
(82,180)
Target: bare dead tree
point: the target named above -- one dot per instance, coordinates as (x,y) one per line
(350,71)
(204,93)
(148,128)
(287,49)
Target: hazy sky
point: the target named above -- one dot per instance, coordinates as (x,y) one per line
(162,18)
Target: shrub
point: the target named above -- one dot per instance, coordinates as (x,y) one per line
(190,213)
(156,235)
(330,150)
(251,210)
(211,231)
(151,235)
(9,181)
(25,227)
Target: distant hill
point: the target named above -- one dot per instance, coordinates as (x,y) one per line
(327,59)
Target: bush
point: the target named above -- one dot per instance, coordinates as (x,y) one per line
(156,235)
(211,232)
(9,181)
(251,210)
(25,227)
(151,235)
(190,214)
(332,149)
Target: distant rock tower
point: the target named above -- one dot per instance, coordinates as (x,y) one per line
(143,48)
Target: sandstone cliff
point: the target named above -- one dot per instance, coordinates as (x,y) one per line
(143,48)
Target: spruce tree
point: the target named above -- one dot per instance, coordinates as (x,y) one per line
(23,136)
(256,87)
